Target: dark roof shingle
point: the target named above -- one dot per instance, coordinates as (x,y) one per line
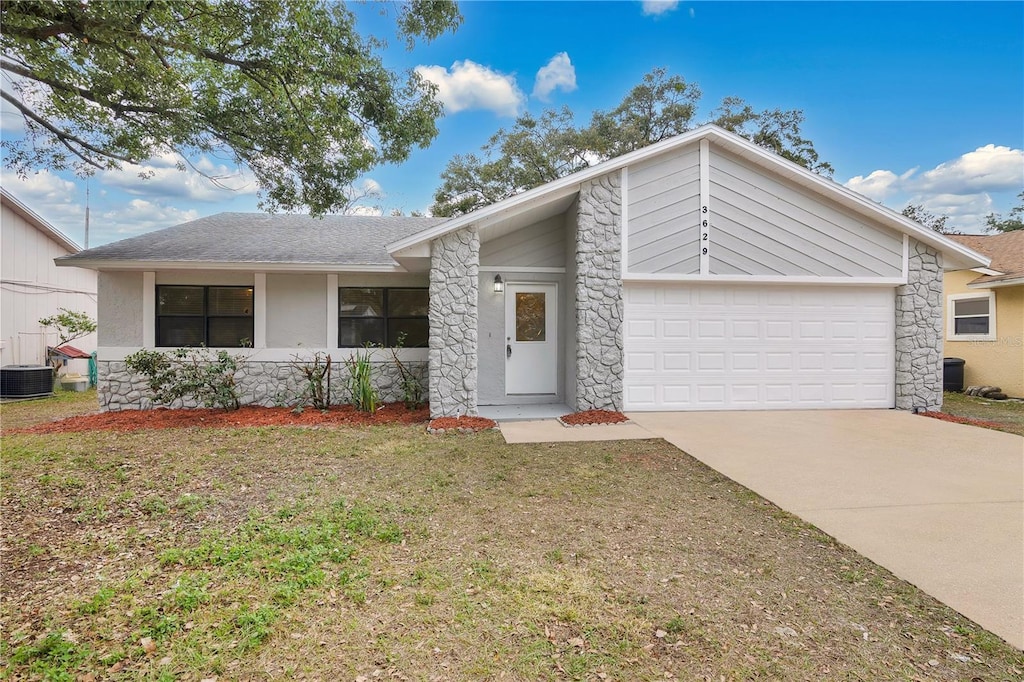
(266,238)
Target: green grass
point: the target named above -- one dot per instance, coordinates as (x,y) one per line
(1009,414)
(275,553)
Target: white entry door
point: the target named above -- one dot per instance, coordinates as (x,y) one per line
(531,339)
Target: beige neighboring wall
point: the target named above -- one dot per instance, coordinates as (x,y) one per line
(999,362)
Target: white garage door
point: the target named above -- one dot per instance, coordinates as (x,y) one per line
(742,347)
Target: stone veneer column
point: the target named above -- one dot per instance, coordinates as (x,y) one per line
(454,322)
(599,367)
(919,331)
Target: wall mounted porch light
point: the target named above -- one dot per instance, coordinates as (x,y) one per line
(499,286)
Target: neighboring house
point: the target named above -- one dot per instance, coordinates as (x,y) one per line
(700,273)
(985,313)
(34,288)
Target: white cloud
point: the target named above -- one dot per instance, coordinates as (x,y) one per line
(878,185)
(136,217)
(960,188)
(658,7)
(988,168)
(167,175)
(557,74)
(468,85)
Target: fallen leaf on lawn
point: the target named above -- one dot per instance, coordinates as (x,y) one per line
(661,634)
(148,644)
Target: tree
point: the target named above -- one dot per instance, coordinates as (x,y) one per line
(70,325)
(660,107)
(994,222)
(533,152)
(918,214)
(538,150)
(289,89)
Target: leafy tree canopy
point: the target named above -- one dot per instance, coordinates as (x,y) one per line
(538,150)
(1014,221)
(288,88)
(918,214)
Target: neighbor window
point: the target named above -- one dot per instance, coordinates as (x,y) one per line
(971,317)
(217,317)
(382,317)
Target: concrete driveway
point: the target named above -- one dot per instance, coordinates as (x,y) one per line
(941,505)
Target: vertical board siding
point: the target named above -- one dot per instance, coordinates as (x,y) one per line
(664,214)
(33,287)
(767,226)
(539,245)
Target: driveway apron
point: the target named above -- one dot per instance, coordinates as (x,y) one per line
(941,505)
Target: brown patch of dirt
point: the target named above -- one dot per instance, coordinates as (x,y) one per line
(161,418)
(462,423)
(588,417)
(942,416)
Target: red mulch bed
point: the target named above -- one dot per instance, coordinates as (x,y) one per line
(588,417)
(463,423)
(942,416)
(161,418)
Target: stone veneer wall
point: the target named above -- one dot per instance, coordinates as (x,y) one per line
(599,304)
(919,331)
(454,318)
(267,384)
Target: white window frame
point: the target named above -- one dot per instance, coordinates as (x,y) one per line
(951,300)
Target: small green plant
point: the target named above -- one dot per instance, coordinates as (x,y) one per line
(317,373)
(70,325)
(198,373)
(412,389)
(360,381)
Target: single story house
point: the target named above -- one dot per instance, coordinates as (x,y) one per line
(984,313)
(699,273)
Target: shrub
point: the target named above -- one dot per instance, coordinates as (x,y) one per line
(198,373)
(360,385)
(317,372)
(412,389)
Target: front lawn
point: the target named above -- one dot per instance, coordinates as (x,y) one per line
(1009,414)
(387,553)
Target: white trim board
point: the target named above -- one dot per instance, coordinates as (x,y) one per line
(767,279)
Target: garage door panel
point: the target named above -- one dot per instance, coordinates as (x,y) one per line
(744,347)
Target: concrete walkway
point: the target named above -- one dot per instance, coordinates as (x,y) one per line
(551,431)
(941,505)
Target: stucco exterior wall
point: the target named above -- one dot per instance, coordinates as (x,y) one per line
(999,362)
(120,316)
(297,311)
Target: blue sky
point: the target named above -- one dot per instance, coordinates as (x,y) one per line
(911,102)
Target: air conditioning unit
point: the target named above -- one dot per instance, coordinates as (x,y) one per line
(25,381)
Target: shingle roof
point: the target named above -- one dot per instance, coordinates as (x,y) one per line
(1006,251)
(265,238)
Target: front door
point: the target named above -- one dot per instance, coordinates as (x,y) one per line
(531,339)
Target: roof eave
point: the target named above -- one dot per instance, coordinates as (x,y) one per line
(957,256)
(249,266)
(996,284)
(39,222)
